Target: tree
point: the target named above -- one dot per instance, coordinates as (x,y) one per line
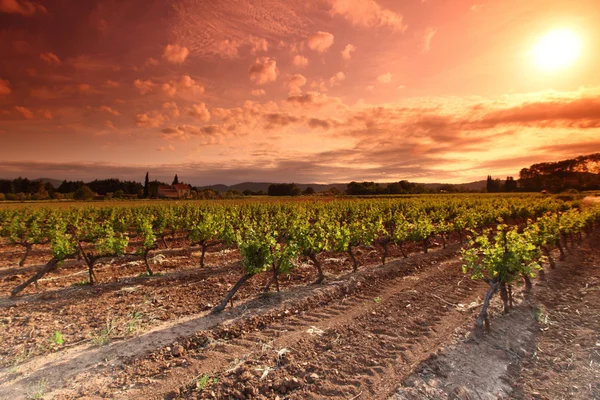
(493,185)
(309,191)
(83,193)
(510,185)
(146,186)
(175,180)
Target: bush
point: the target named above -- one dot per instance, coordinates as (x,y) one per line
(2,197)
(83,193)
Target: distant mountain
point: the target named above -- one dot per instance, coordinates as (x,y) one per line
(318,187)
(54,182)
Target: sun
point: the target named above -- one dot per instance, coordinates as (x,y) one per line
(557,50)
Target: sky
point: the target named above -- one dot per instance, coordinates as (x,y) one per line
(307,91)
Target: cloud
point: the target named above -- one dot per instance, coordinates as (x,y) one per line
(185,82)
(258,92)
(347,52)
(367,14)
(26,113)
(295,83)
(111,84)
(171,108)
(50,58)
(337,78)
(108,123)
(321,41)
(278,120)
(4,87)
(316,123)
(23,7)
(228,49)
(300,61)
(109,110)
(258,45)
(210,134)
(316,100)
(175,54)
(200,111)
(84,88)
(264,70)
(144,87)
(46,114)
(150,121)
(385,78)
(427,37)
(582,113)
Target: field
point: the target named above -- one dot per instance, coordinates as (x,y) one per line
(344,299)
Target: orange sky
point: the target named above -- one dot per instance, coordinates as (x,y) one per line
(292,90)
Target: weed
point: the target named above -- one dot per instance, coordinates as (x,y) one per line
(377,300)
(204,381)
(38,390)
(103,336)
(134,322)
(58,338)
(81,283)
(540,315)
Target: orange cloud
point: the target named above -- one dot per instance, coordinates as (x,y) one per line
(300,61)
(264,70)
(23,7)
(228,49)
(258,92)
(347,52)
(50,58)
(175,54)
(337,78)
(4,87)
(295,83)
(150,121)
(171,108)
(259,45)
(367,13)
(185,82)
(385,78)
(143,86)
(200,111)
(26,113)
(321,41)
(111,84)
(109,110)
(46,114)
(109,124)
(84,87)
(427,37)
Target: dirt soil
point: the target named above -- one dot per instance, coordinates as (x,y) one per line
(400,331)
(548,347)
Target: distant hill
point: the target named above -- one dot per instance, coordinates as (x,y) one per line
(264,186)
(54,182)
(318,187)
(477,185)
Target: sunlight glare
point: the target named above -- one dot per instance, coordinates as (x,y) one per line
(557,50)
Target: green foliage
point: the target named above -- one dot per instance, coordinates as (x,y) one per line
(506,257)
(57,338)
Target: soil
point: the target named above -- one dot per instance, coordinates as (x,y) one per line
(403,331)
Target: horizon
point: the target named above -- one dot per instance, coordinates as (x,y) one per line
(326,91)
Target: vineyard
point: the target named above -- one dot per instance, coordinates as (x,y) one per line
(257,300)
